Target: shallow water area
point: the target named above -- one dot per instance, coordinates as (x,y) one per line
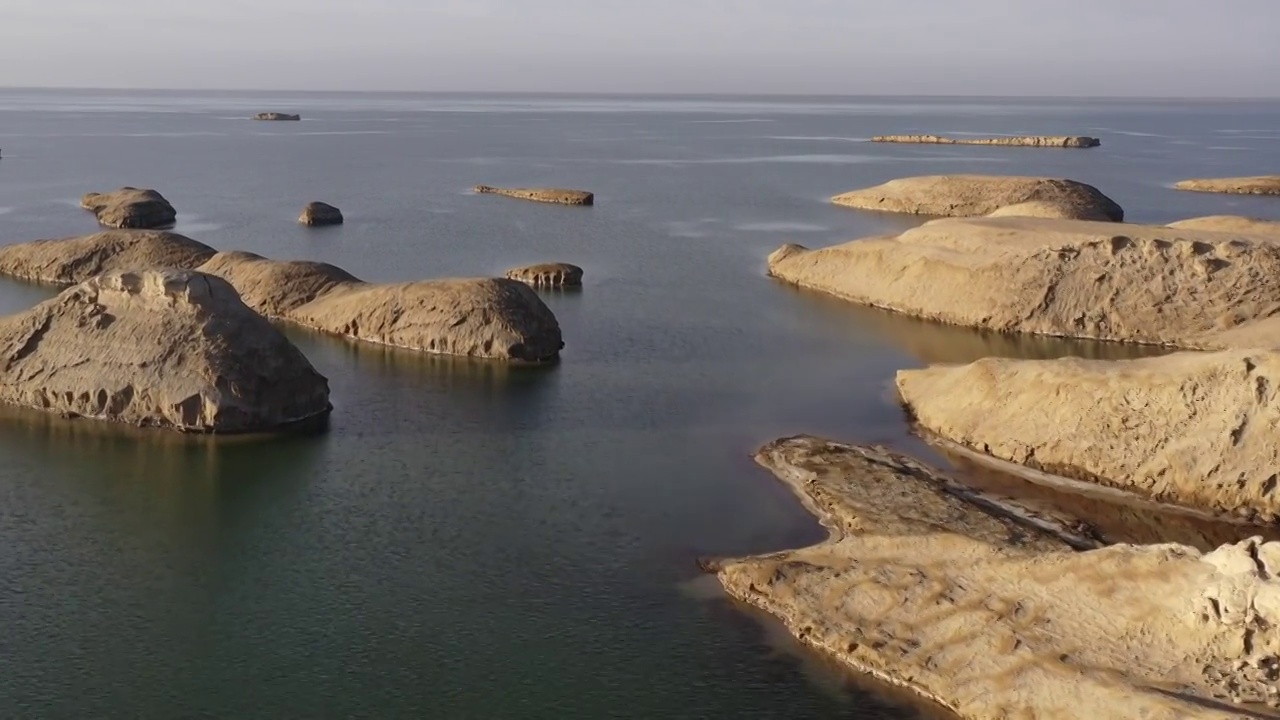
(474,540)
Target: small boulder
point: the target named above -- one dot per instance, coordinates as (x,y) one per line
(548,275)
(276,116)
(1259,185)
(975,195)
(158,348)
(130,207)
(318,213)
(557,196)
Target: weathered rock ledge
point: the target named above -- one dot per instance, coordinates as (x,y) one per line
(277,117)
(993,618)
(478,317)
(1230,223)
(1050,141)
(974,195)
(548,275)
(1260,185)
(1133,283)
(72,260)
(130,207)
(1194,429)
(158,348)
(557,196)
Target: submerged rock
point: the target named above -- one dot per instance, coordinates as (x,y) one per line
(991,617)
(130,207)
(71,260)
(973,195)
(549,275)
(158,348)
(1067,278)
(1195,429)
(1051,141)
(318,213)
(277,116)
(556,196)
(1260,185)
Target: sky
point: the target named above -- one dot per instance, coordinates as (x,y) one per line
(1167,48)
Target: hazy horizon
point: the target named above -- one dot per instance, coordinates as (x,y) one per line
(1032,48)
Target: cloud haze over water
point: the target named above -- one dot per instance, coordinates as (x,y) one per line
(982,47)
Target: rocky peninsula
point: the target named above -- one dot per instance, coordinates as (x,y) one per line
(130,207)
(1048,141)
(277,117)
(548,275)
(1260,185)
(318,213)
(991,612)
(556,196)
(1148,284)
(478,317)
(158,348)
(974,195)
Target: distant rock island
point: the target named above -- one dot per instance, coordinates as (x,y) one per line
(277,116)
(557,196)
(1048,141)
(1258,185)
(130,207)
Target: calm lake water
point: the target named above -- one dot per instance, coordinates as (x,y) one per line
(472,541)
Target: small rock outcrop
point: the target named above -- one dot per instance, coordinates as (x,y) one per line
(276,288)
(968,603)
(1230,223)
(1195,429)
(66,261)
(1260,185)
(1049,141)
(476,317)
(557,196)
(975,195)
(277,116)
(318,213)
(158,348)
(130,207)
(548,275)
(1065,278)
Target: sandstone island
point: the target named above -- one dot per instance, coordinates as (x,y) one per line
(1261,185)
(130,207)
(556,196)
(972,195)
(318,213)
(548,275)
(158,348)
(478,317)
(1047,141)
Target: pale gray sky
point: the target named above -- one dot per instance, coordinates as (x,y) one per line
(1006,47)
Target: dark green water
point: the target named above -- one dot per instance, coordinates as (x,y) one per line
(467,540)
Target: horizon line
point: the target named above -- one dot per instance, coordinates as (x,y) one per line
(612,94)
